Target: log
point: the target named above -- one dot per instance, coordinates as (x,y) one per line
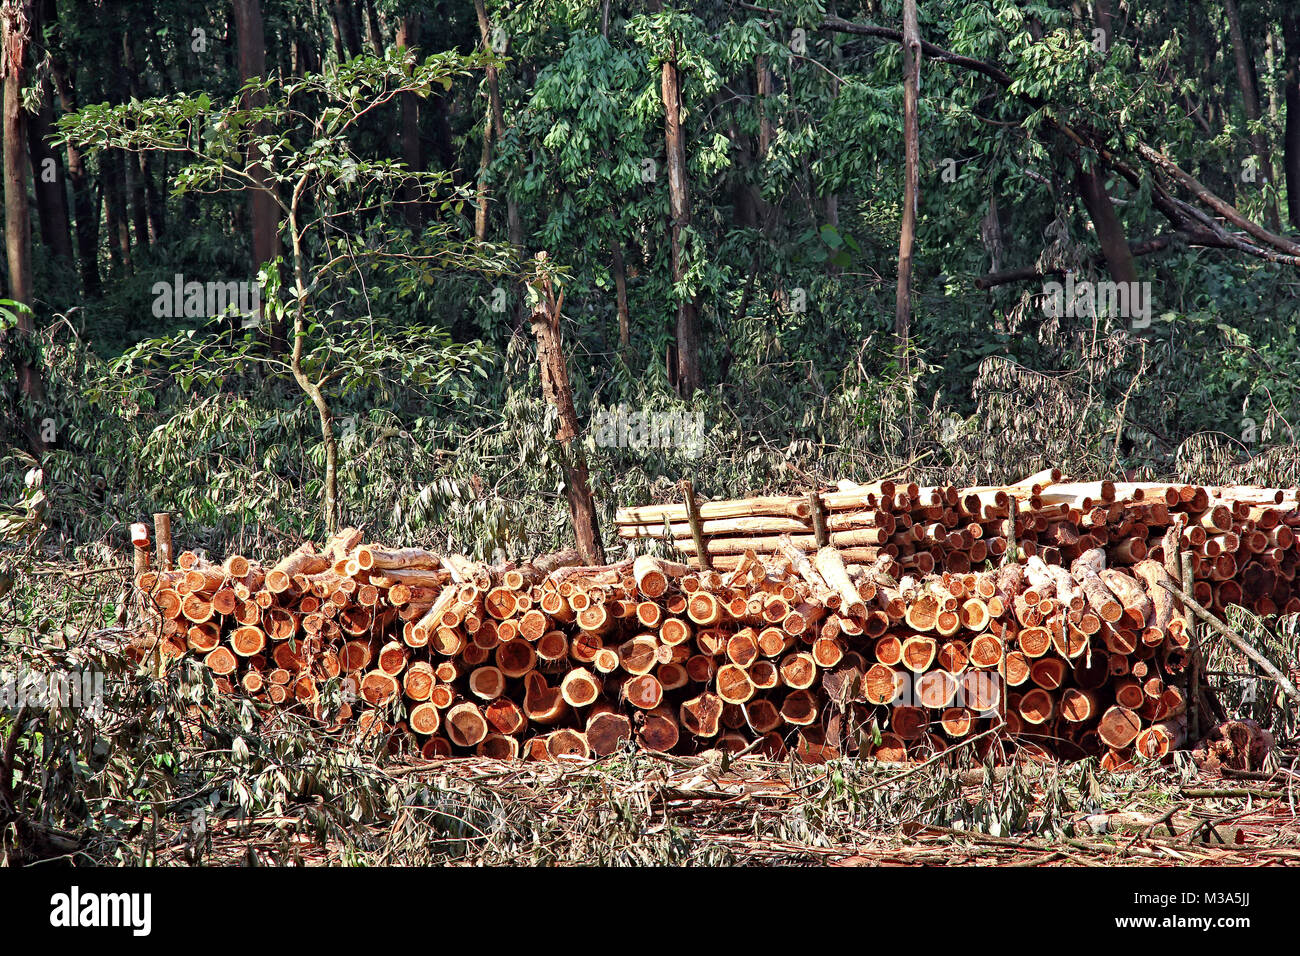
(503,715)
(656,514)
(830,566)
(1119,727)
(799,708)
(1036,707)
(607,732)
(580,688)
(425,719)
(732,684)
(498,747)
(644,692)
(568,743)
(882,684)
(486,683)
(465,724)
(658,730)
(700,715)
(543,704)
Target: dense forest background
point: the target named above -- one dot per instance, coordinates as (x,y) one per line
(720,191)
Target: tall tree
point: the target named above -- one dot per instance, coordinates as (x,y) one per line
(17,15)
(85,202)
(911,178)
(496,132)
(113,164)
(688,376)
(131,164)
(262,207)
(558,392)
(408,37)
(1291,142)
(1110,231)
(1250,104)
(346,29)
(46,164)
(47,177)
(373,29)
(15,40)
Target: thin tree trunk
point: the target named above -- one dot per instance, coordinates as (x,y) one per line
(17,36)
(373,28)
(911,181)
(1250,103)
(47,178)
(1291,151)
(514,226)
(310,388)
(765,85)
(113,164)
(262,206)
(408,36)
(484,160)
(688,376)
(1103,14)
(154,202)
(346,27)
(131,165)
(336,32)
(1110,232)
(832,200)
(305,58)
(147,204)
(620,290)
(85,203)
(559,393)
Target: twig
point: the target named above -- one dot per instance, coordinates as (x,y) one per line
(1147,831)
(10,806)
(1239,792)
(1236,640)
(119,568)
(925,763)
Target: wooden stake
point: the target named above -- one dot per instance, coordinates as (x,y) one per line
(162,531)
(702,558)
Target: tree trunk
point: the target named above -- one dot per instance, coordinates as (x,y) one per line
(911,181)
(17,36)
(832,201)
(345,30)
(484,160)
(1250,103)
(85,204)
(514,226)
(133,163)
(373,28)
(113,165)
(620,290)
(305,58)
(559,393)
(765,85)
(262,206)
(1291,152)
(310,388)
(148,207)
(408,36)
(687,377)
(1110,232)
(1103,14)
(47,177)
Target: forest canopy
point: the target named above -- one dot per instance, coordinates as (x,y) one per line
(271,263)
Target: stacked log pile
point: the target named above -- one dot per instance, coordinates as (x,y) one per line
(927,635)
(1242,539)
